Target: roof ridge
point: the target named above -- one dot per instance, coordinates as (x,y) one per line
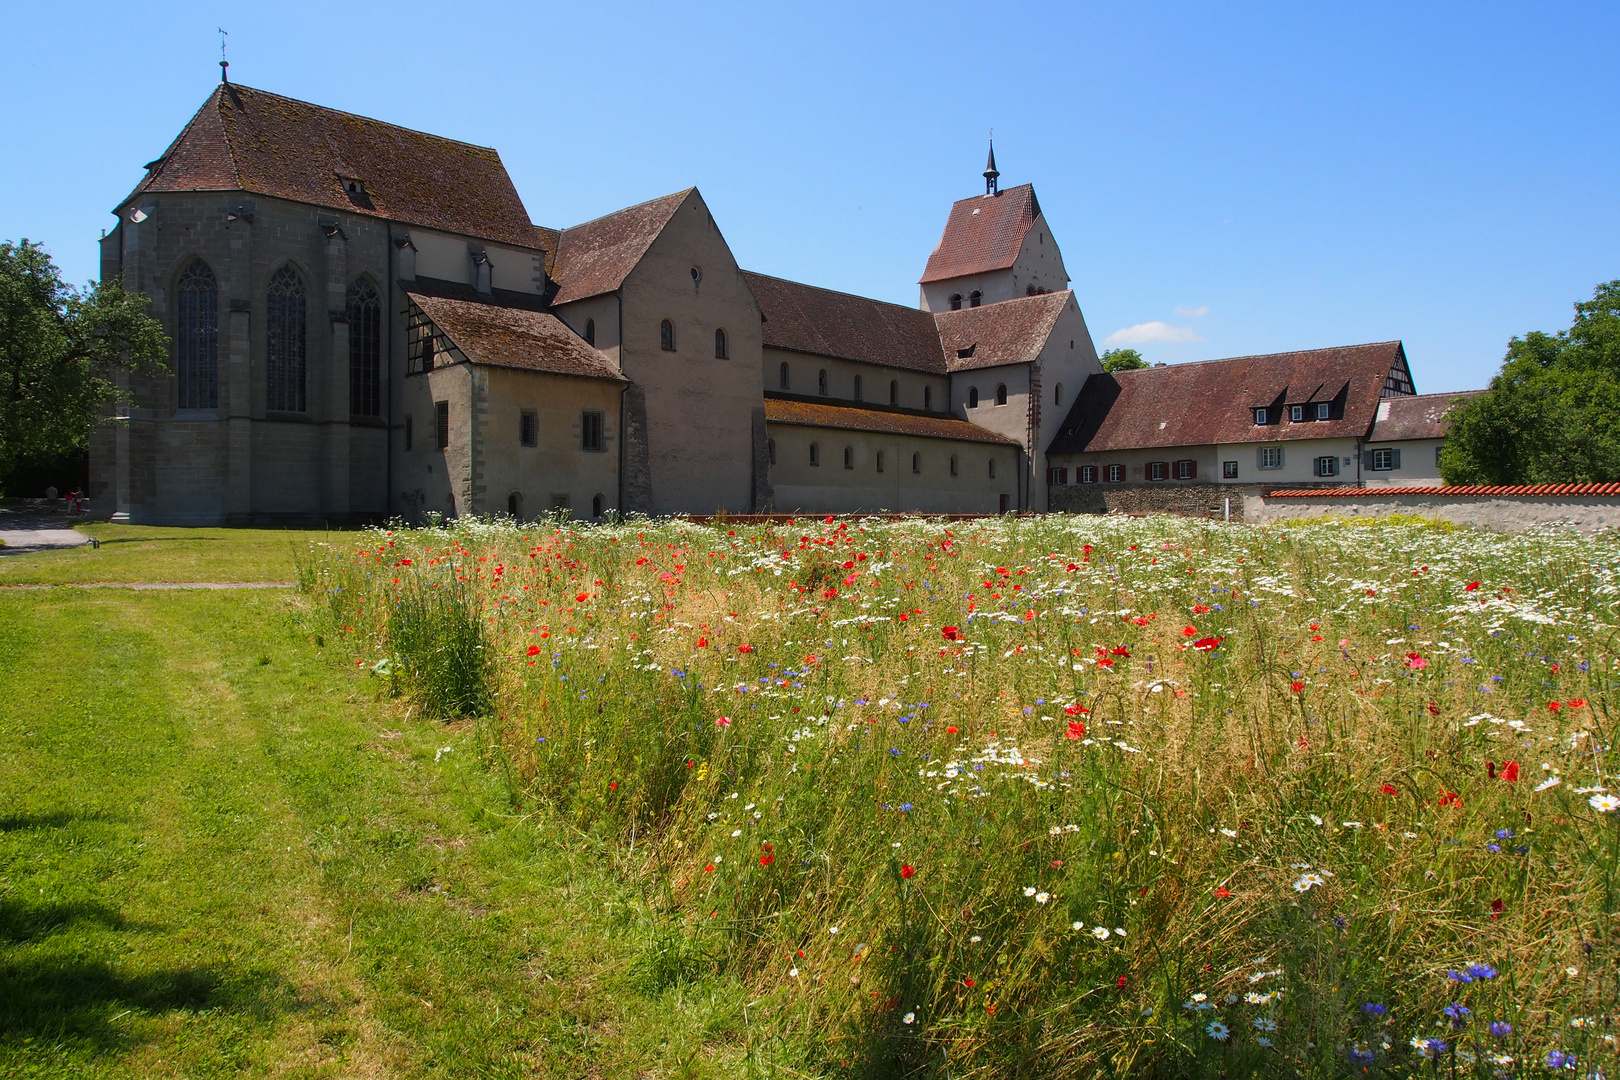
(1259,356)
(1043,297)
(1003,193)
(626,209)
(352,115)
(838,292)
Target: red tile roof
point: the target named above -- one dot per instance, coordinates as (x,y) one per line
(249,140)
(514,337)
(1461,491)
(804,318)
(1201,404)
(852,418)
(1421,416)
(596,257)
(983,233)
(1011,332)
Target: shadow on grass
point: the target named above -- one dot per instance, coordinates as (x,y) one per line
(67,1000)
(54,819)
(161,540)
(26,922)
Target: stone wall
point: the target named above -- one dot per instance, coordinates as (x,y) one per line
(1506,513)
(1188,500)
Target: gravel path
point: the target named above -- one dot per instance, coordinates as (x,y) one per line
(151,585)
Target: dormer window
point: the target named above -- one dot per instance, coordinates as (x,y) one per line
(1296,414)
(1260,416)
(1324,410)
(355,189)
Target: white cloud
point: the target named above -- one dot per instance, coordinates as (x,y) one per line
(1156,331)
(1192,312)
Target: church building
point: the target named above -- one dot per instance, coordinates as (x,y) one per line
(367,324)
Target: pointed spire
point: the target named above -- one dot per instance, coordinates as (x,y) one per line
(224,64)
(991,174)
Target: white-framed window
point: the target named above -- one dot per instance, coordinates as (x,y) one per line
(1058,477)
(1187,469)
(1229,470)
(1383,460)
(1296,413)
(1324,410)
(1088,474)
(1260,416)
(1158,470)
(1327,466)
(1270,457)
(1116,474)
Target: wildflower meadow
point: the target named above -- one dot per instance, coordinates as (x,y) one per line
(1058,796)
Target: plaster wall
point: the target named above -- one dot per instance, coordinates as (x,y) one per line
(1504,514)
(605,311)
(830,488)
(1039,264)
(448,257)
(558,466)
(1420,464)
(803,378)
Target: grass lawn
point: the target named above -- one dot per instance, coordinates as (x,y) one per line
(222,852)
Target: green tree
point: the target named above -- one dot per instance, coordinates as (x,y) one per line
(60,348)
(1122,360)
(1553,413)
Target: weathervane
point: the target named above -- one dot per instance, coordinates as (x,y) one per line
(224,64)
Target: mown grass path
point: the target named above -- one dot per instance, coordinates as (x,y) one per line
(222,854)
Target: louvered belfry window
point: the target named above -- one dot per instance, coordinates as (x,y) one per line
(196,342)
(365,349)
(284,330)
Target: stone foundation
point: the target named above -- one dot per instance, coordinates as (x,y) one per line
(1188,500)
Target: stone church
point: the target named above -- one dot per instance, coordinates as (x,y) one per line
(366,323)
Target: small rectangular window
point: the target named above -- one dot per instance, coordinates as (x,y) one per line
(879,461)
(1324,410)
(1057,477)
(1259,416)
(1116,474)
(1437,450)
(1186,470)
(1271,457)
(408,433)
(590,431)
(1229,470)
(528,428)
(1088,474)
(1327,466)
(1296,413)
(441,424)
(1384,460)
(1158,470)
(559,502)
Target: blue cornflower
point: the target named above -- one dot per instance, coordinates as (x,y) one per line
(895,750)
(1457,976)
(1339,922)
(1557,1059)
(1372,1008)
(1504,834)
(905,808)
(1501,1029)
(1361,1054)
(1521,850)
(1435,1047)
(1458,1014)
(1482,971)
(1493,847)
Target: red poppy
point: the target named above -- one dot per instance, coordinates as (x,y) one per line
(745,648)
(709,869)
(703,643)
(1450,798)
(951,729)
(582,597)
(768,856)
(1077,710)
(950,633)
(534,650)
(1510,771)
(1208,643)
(1416,662)
(1121,650)
(1471,586)
(1187,631)
(613,785)
(1200,609)
(1076,730)
(1388,789)
(1298,686)
(1497,907)
(908,871)
(1434,710)
(1576,703)
(724,721)
(1223,892)
(968,983)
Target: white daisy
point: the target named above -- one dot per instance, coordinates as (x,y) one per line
(1218,1031)
(910,1018)
(1306,881)
(1029,890)
(1604,803)
(1265,1023)
(1041,897)
(1100,933)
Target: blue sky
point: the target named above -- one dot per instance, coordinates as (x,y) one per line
(1223,179)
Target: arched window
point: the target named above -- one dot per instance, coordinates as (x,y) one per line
(1001,394)
(720,352)
(956,301)
(857,388)
(928,397)
(849,457)
(953,464)
(666,336)
(598,504)
(975,298)
(894,391)
(782,376)
(284,320)
(514,504)
(590,331)
(196,341)
(770,450)
(1057,394)
(821,382)
(992,468)
(815,453)
(365,349)
(973,397)
(916,463)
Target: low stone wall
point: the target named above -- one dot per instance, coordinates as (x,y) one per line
(1188,500)
(1503,510)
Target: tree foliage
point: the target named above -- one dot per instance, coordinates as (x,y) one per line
(60,348)
(1553,413)
(1122,360)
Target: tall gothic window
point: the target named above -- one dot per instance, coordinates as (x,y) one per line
(196,343)
(365,349)
(590,331)
(284,332)
(782,375)
(666,336)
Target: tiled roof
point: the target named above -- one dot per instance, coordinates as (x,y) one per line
(514,337)
(249,140)
(1421,416)
(596,257)
(1461,491)
(983,233)
(1010,332)
(849,418)
(1201,404)
(803,318)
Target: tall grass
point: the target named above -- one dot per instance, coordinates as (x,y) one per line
(1064,796)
